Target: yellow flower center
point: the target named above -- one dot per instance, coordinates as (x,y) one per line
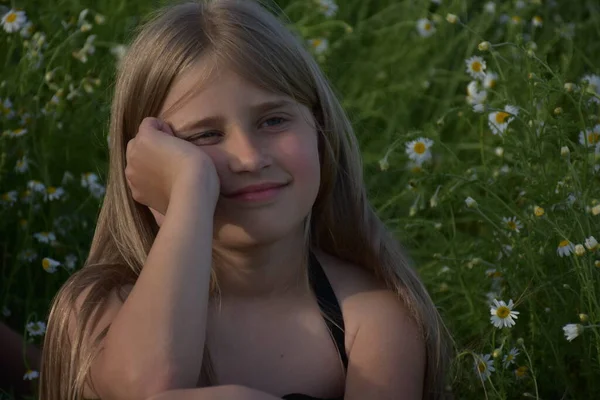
(476,66)
(539,211)
(317,42)
(509,357)
(512,225)
(12,17)
(419,148)
(46,263)
(563,243)
(5,197)
(501,117)
(492,83)
(427,26)
(503,312)
(521,371)
(481,366)
(51,190)
(593,137)
(516,19)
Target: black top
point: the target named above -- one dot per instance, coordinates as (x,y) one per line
(329,306)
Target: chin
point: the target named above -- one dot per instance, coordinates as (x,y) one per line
(254,234)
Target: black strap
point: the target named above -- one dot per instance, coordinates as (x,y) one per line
(328,304)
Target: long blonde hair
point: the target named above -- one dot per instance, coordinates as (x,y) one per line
(259,47)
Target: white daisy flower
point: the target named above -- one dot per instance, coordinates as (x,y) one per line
(9,198)
(319,45)
(97,190)
(6,109)
(425,27)
(36,186)
(27,30)
(591,243)
(498,121)
(18,132)
(484,366)
(36,328)
(50,265)
(476,67)
(502,314)
(592,136)
(45,237)
(27,255)
(476,96)
(513,224)
(70,261)
(22,165)
(328,7)
(592,85)
(13,20)
(490,80)
(565,248)
(510,357)
(30,375)
(537,21)
(118,51)
(88,179)
(419,150)
(490,7)
(571,331)
(53,193)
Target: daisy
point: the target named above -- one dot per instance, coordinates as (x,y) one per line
(6,108)
(27,255)
(521,372)
(503,314)
(50,265)
(319,45)
(97,190)
(484,366)
(593,85)
(490,80)
(22,165)
(27,30)
(476,67)
(53,193)
(118,51)
(513,224)
(490,7)
(592,136)
(36,328)
(475,96)
(425,27)
(9,198)
(45,237)
(31,374)
(510,357)
(419,150)
(13,20)
(70,261)
(36,186)
(499,120)
(591,243)
(537,21)
(571,331)
(565,248)
(328,7)
(19,132)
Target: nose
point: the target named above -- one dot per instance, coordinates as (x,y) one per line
(247,152)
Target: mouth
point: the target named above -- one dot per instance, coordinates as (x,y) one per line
(260,195)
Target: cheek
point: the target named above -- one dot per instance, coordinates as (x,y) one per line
(298,155)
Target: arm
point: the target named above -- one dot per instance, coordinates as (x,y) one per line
(387,358)
(155,341)
(226,392)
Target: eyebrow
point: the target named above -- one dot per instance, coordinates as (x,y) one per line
(218,119)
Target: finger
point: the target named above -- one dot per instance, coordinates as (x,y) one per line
(165,127)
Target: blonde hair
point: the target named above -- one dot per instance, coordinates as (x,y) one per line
(241,34)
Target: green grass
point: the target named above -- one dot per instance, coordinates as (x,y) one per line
(397,86)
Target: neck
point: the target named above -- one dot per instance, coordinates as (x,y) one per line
(275,269)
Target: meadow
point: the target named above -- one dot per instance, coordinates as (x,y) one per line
(479,124)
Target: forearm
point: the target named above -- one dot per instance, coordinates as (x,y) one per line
(227,392)
(156,341)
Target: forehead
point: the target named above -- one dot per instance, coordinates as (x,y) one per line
(207,86)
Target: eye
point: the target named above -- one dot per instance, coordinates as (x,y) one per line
(281,120)
(203,135)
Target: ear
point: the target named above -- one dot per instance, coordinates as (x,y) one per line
(157,216)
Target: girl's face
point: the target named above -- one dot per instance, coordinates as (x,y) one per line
(252,136)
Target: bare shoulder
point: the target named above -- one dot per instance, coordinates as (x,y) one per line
(365,300)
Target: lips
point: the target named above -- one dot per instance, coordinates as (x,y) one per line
(262,187)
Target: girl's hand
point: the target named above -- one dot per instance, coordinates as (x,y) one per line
(157,160)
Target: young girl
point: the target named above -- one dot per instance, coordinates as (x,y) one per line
(236,255)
